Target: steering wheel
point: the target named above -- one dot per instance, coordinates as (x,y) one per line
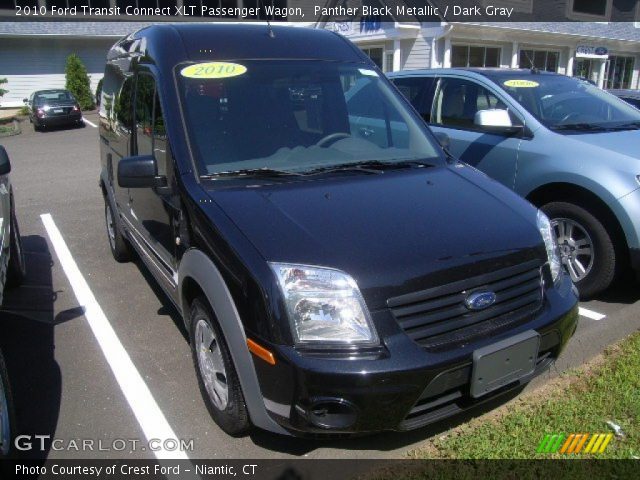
(569,116)
(331,138)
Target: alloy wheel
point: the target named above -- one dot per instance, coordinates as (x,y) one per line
(576,247)
(211,364)
(110,226)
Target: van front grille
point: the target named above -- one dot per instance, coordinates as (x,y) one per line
(438,315)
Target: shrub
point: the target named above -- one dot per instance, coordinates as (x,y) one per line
(78,82)
(2,92)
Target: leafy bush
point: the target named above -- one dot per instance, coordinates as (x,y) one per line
(2,92)
(78,82)
(24,110)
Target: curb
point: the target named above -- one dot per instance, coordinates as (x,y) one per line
(17,130)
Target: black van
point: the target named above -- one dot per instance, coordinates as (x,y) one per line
(338,272)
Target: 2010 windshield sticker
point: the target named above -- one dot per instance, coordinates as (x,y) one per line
(521,84)
(213,70)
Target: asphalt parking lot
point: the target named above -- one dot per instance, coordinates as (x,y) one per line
(63,383)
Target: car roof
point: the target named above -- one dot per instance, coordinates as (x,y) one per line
(474,71)
(180,42)
(52,90)
(628,93)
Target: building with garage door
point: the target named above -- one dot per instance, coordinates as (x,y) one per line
(33,54)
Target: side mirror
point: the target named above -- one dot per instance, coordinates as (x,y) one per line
(495,120)
(443,139)
(5,164)
(139,172)
(25,100)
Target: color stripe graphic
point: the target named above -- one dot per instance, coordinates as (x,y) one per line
(574,443)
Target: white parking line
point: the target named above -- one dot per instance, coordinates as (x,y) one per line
(149,416)
(590,314)
(89,123)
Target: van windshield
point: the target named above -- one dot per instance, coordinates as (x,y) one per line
(568,104)
(297,116)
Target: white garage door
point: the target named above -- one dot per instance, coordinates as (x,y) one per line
(37,63)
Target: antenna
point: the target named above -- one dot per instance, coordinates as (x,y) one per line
(271,34)
(532,66)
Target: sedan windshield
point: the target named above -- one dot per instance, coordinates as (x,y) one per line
(291,117)
(564,103)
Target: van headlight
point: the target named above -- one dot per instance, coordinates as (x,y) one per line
(324,305)
(550,243)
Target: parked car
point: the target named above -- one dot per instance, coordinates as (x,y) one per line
(48,108)
(632,97)
(336,271)
(12,272)
(568,147)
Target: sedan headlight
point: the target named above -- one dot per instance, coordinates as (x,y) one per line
(324,306)
(550,243)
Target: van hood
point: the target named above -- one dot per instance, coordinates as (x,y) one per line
(626,142)
(393,232)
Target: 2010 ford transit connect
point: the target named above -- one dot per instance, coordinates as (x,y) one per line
(336,271)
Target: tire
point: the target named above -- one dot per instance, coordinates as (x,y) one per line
(17,268)
(600,269)
(229,413)
(7,414)
(119,245)
(36,128)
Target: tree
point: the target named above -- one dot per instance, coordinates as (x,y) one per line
(2,81)
(78,82)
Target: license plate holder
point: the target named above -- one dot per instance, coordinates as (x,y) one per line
(504,362)
(57,110)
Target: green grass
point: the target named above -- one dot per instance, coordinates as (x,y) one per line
(580,402)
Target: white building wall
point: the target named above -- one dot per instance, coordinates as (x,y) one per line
(416,53)
(38,63)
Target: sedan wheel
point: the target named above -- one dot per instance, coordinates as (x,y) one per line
(586,247)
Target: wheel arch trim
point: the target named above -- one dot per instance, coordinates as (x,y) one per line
(197,266)
(595,192)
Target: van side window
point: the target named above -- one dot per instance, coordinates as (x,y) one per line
(419,91)
(457,102)
(145,94)
(372,118)
(160,143)
(123,108)
(151,135)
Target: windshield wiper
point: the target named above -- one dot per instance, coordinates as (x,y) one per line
(626,126)
(371,166)
(253,172)
(580,127)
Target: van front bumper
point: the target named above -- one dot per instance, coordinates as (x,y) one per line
(402,386)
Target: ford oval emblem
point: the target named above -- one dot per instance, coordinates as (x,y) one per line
(480,300)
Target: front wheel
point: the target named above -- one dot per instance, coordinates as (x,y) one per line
(7,418)
(217,377)
(119,245)
(586,248)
